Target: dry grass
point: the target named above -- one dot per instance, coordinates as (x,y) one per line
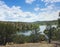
(30,45)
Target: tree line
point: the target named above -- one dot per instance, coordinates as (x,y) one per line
(8,32)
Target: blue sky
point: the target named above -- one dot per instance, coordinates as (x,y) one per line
(29,10)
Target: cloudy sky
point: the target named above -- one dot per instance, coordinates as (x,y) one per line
(29,10)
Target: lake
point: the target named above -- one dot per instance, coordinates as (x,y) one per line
(42,28)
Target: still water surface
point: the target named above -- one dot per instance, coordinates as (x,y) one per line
(42,28)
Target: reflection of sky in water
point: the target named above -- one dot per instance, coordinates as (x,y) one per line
(25,33)
(42,28)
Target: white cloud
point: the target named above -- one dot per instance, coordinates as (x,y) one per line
(50,1)
(15,13)
(48,16)
(29,1)
(37,9)
(48,8)
(48,13)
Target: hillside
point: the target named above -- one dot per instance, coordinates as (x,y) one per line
(54,22)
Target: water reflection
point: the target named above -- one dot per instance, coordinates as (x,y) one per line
(42,28)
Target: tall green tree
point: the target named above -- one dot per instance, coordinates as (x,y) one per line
(6,32)
(48,32)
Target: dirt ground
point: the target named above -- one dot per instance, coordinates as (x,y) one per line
(30,45)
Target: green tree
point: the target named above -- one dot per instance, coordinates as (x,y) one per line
(6,32)
(48,32)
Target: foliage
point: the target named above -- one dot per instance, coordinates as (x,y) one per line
(6,32)
(19,39)
(55,33)
(9,29)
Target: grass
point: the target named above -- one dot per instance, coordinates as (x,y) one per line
(42,44)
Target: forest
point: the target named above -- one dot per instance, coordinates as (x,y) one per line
(9,30)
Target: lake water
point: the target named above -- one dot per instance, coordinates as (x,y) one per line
(42,28)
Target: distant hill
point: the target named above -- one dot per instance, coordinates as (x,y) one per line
(54,22)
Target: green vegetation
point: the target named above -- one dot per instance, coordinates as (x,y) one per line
(53,22)
(9,30)
(53,32)
(6,32)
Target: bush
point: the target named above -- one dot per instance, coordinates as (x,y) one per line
(19,39)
